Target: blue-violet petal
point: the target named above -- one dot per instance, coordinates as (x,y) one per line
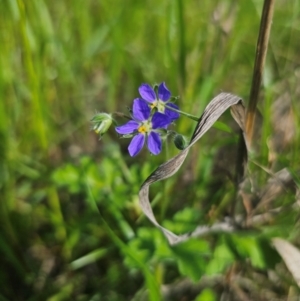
(160,120)
(127,128)
(141,111)
(136,144)
(163,92)
(147,92)
(154,143)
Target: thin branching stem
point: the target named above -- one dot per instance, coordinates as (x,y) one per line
(120,114)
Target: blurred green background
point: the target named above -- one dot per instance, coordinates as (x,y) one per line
(71,226)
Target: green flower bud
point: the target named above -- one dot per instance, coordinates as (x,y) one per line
(101,123)
(180,142)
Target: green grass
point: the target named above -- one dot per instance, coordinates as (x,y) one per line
(62,61)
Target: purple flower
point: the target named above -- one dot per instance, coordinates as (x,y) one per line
(159,100)
(145,127)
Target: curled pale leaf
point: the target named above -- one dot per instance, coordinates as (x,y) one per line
(212,112)
(290,255)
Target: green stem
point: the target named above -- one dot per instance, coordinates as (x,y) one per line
(193,117)
(218,125)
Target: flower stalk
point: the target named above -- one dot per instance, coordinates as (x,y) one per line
(193,117)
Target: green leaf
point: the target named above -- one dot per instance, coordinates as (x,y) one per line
(222,258)
(143,246)
(151,283)
(257,249)
(206,295)
(88,259)
(192,258)
(183,221)
(67,176)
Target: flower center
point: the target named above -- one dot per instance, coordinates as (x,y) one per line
(159,104)
(145,127)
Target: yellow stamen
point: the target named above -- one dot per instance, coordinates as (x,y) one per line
(142,129)
(145,127)
(154,104)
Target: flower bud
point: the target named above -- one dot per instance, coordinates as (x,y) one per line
(180,142)
(101,123)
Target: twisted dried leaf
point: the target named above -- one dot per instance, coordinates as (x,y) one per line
(212,112)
